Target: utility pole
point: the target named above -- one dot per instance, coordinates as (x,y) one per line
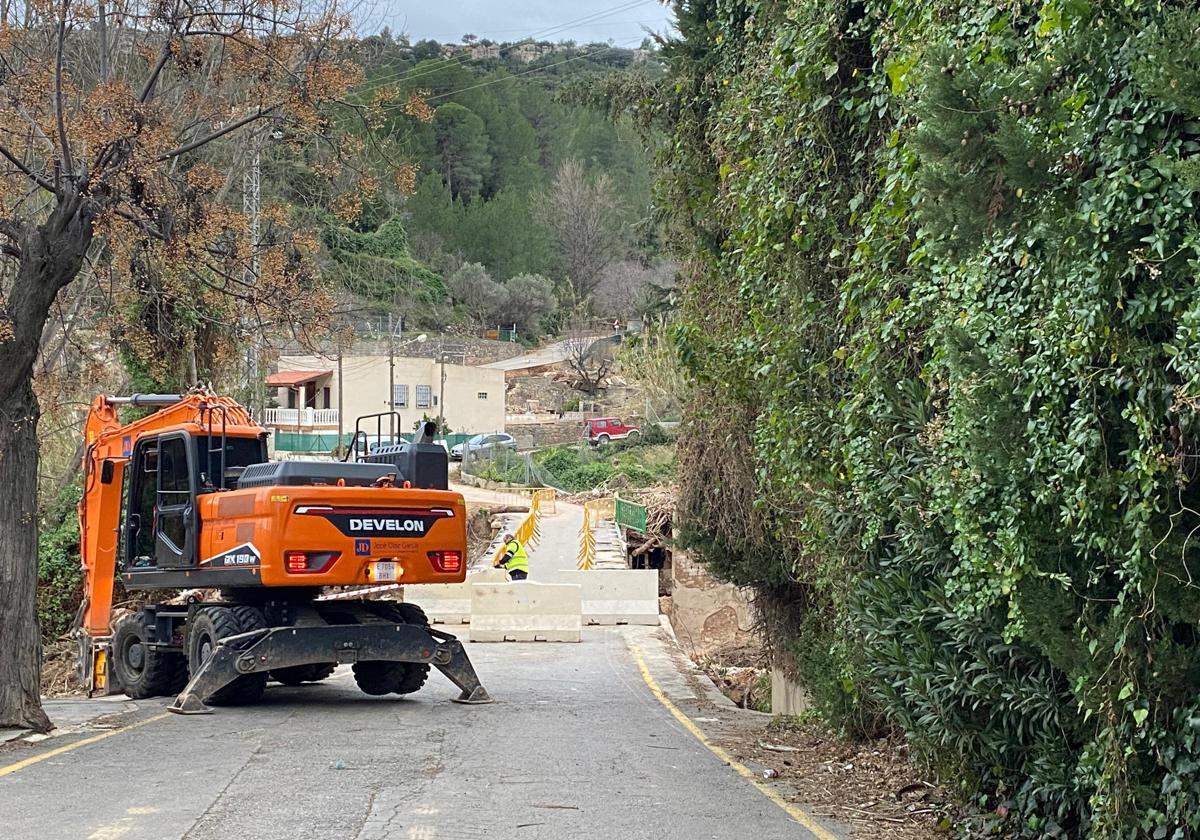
(341,422)
(391,380)
(442,389)
(251,203)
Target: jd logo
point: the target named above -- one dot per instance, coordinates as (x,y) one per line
(362,548)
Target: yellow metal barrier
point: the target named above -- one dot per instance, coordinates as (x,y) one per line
(602,509)
(587,540)
(547,500)
(529,532)
(594,512)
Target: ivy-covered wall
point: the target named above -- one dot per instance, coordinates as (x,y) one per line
(939,304)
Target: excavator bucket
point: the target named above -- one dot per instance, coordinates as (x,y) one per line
(284,647)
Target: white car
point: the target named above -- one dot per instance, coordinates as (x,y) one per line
(483,444)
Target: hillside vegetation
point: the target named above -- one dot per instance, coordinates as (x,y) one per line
(479,173)
(940,316)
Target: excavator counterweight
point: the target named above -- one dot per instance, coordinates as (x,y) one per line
(186,499)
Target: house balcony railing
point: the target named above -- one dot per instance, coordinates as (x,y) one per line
(302,418)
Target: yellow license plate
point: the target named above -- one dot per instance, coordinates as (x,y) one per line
(384,571)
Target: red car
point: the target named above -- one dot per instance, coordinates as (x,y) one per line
(601,430)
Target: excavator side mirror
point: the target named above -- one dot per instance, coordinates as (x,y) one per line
(106,472)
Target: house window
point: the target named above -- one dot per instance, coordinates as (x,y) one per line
(400,396)
(291,397)
(327,393)
(424,396)
(482,395)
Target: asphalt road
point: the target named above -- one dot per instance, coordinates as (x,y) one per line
(577,747)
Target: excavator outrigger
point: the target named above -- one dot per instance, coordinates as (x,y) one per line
(185,498)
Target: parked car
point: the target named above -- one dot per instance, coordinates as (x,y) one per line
(601,430)
(483,445)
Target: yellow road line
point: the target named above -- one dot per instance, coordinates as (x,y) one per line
(34,759)
(745,772)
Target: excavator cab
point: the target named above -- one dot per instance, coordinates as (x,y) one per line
(165,476)
(186,499)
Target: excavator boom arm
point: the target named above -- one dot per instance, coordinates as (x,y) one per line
(109,444)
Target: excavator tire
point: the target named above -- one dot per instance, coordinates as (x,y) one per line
(141,670)
(211,625)
(379,678)
(299,674)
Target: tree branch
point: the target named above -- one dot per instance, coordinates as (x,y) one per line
(13,230)
(152,80)
(68,161)
(40,180)
(221,132)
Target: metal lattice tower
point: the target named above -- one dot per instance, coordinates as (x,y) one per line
(251,206)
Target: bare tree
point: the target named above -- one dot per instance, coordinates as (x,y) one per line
(115,126)
(590,359)
(582,213)
(628,288)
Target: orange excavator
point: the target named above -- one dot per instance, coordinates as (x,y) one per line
(186,499)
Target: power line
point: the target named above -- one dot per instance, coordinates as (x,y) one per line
(445,64)
(437,35)
(622,7)
(412,74)
(523,73)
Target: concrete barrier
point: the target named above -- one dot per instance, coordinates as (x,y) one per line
(450,603)
(525,612)
(613,596)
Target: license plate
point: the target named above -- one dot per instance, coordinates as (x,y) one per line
(383,570)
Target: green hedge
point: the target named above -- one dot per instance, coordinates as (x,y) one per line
(60,576)
(940,309)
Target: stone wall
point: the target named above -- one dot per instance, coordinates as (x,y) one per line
(707,615)
(537,435)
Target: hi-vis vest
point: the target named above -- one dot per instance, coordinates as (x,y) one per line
(519,562)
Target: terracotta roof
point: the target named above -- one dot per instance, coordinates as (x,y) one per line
(292,378)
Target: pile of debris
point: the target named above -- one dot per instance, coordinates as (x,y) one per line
(60,668)
(870,785)
(660,509)
(741,673)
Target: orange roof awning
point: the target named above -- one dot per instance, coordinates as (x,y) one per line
(292,378)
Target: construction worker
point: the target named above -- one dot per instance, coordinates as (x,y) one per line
(514,559)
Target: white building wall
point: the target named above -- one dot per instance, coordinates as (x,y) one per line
(473,401)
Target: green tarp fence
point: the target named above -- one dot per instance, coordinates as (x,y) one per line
(322,443)
(312,442)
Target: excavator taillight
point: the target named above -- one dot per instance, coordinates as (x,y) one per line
(308,562)
(446,561)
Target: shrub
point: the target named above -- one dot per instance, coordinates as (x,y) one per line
(60,578)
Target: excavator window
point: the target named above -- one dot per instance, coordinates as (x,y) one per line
(174,511)
(240,452)
(142,493)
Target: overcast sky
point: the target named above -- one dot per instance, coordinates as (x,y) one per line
(513,20)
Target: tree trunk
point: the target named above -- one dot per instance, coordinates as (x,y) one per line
(51,257)
(21,648)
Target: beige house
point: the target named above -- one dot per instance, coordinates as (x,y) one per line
(314,404)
